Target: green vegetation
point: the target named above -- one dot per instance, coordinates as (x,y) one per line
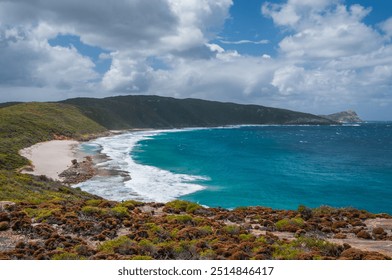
(289,224)
(35,190)
(208,254)
(120,244)
(232,229)
(141,258)
(319,245)
(154,227)
(324,210)
(120,211)
(286,252)
(123,112)
(92,210)
(26,124)
(205,230)
(182,206)
(300,248)
(67,256)
(246,237)
(40,214)
(94,202)
(130,204)
(184,219)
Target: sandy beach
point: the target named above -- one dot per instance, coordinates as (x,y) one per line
(51,158)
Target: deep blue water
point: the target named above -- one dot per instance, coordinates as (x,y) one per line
(280,166)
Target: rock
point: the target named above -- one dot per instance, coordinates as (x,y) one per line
(356,230)
(379,233)
(351,254)
(364,235)
(78,172)
(379,230)
(340,236)
(339,224)
(5,204)
(357,223)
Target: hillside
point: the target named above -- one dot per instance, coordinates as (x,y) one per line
(348,116)
(23,125)
(124,112)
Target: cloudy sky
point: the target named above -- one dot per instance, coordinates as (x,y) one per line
(318,56)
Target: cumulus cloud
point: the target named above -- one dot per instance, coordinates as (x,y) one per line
(332,57)
(323,29)
(32,62)
(386,27)
(327,59)
(127,75)
(131,30)
(241,42)
(112,25)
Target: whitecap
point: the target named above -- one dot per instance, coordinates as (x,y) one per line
(147,183)
(351,124)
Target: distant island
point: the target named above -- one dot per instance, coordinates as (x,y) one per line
(348,116)
(43,218)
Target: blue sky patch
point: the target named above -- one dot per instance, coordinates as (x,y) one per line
(67,41)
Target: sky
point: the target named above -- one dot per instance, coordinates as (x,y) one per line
(316,56)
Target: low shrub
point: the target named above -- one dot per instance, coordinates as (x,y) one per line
(291,225)
(92,210)
(67,256)
(182,206)
(184,219)
(232,229)
(141,258)
(120,244)
(120,211)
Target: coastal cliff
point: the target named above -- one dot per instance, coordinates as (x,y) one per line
(348,116)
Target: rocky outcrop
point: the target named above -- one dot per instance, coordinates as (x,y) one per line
(78,172)
(348,116)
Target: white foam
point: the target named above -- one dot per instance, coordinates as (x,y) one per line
(351,124)
(148,183)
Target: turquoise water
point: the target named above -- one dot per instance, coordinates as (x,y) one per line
(280,166)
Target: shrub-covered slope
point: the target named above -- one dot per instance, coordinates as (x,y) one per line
(124,112)
(23,125)
(99,229)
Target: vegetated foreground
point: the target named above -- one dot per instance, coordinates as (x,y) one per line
(42,219)
(50,221)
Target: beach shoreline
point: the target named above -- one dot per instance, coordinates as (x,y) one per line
(50,158)
(54,157)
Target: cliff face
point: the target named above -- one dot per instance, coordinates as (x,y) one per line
(344,117)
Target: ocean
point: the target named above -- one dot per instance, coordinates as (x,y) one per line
(280,167)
